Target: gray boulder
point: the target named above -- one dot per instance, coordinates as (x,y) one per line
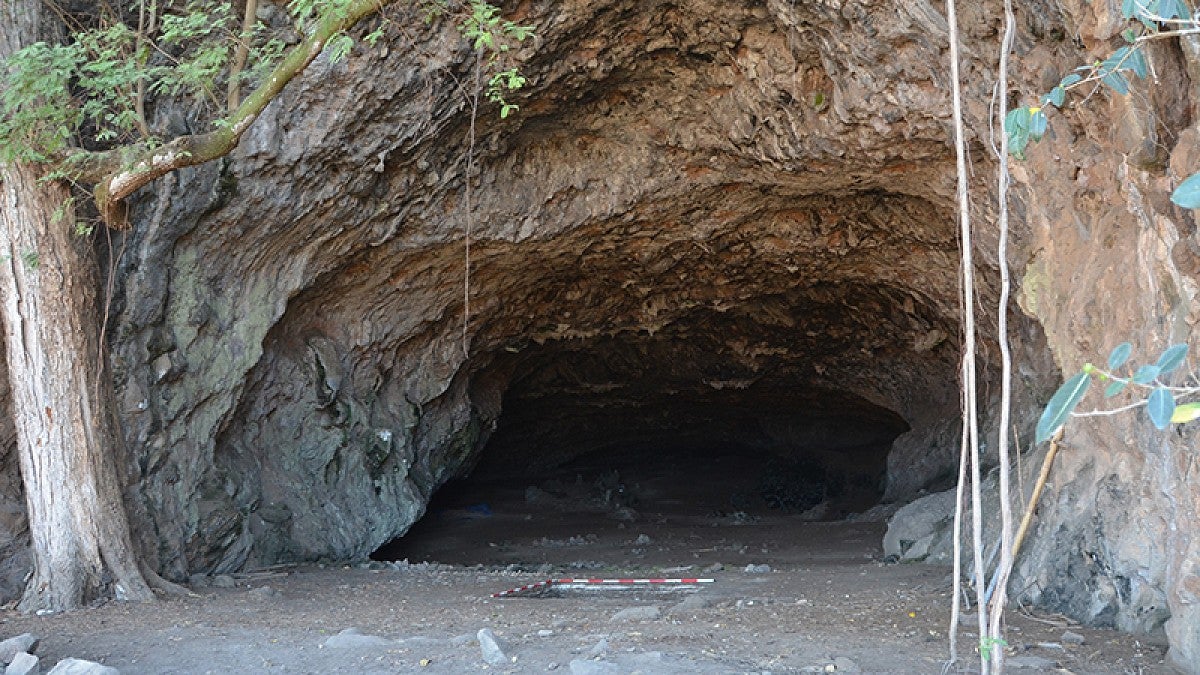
(82,667)
(917,528)
(25,642)
(490,647)
(23,663)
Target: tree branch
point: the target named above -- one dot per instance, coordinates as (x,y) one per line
(119,172)
(233,96)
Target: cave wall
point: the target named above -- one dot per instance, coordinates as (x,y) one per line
(771,183)
(300,384)
(1111,259)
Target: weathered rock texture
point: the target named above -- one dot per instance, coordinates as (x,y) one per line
(710,222)
(1112,260)
(14,526)
(692,220)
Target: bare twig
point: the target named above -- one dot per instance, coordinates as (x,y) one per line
(956,606)
(1047,463)
(970,395)
(996,611)
(139,99)
(467,220)
(234,93)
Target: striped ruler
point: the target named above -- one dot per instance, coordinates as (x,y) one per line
(597,583)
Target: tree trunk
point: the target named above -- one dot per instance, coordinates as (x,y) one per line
(81,543)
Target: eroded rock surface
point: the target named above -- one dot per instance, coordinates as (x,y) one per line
(725,207)
(727,221)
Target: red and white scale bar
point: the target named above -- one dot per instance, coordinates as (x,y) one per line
(600,582)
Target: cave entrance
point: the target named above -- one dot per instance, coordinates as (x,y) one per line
(620,453)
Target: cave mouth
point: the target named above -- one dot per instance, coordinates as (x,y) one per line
(598,440)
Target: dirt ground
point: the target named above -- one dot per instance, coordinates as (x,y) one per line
(828,603)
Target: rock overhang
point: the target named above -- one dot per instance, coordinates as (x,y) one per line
(723,190)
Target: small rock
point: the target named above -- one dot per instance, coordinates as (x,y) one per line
(1072,638)
(583,667)
(757,569)
(553,665)
(545,632)
(715,567)
(199,580)
(490,647)
(82,667)
(1031,663)
(352,639)
(23,663)
(599,649)
(25,642)
(845,665)
(918,550)
(223,581)
(641,540)
(648,613)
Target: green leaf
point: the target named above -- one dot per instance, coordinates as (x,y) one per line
(1160,407)
(1136,61)
(1072,79)
(1055,98)
(1172,358)
(1129,35)
(1185,413)
(339,46)
(1117,82)
(1120,354)
(1128,8)
(1037,125)
(1115,387)
(1173,9)
(1060,406)
(1016,125)
(1145,374)
(1017,119)
(1187,194)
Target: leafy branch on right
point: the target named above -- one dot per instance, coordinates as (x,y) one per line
(1148,384)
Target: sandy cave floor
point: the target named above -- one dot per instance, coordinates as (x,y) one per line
(828,596)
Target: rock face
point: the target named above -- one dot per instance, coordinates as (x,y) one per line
(692,233)
(713,223)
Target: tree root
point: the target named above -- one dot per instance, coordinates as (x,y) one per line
(167,588)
